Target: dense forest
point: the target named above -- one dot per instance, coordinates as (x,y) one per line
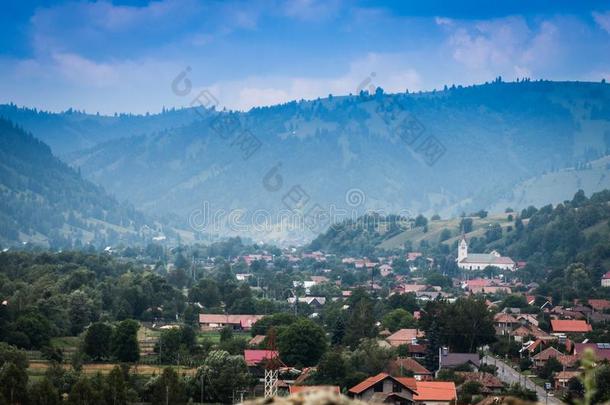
(45,201)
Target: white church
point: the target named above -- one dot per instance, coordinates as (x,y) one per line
(478,261)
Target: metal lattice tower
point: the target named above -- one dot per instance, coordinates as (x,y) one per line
(272,367)
(271,377)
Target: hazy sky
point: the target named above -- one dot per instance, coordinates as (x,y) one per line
(123,56)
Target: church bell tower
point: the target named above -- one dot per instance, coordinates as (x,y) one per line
(462,249)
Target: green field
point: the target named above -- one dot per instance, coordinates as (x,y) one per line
(436,227)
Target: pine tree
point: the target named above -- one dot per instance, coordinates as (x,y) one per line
(433,335)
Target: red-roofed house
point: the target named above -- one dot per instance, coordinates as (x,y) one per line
(255,357)
(404,390)
(505,323)
(219,321)
(563,326)
(541,358)
(599,305)
(563,377)
(381,387)
(435,392)
(402,364)
(404,336)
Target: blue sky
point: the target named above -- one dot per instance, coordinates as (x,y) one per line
(122,56)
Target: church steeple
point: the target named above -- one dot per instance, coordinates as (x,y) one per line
(462,249)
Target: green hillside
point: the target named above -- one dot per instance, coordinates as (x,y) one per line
(494,137)
(46,202)
(435,228)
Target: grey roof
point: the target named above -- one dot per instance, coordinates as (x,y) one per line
(486,258)
(457,359)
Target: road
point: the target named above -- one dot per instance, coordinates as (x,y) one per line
(508,375)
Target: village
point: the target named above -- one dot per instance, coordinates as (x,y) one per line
(476,318)
(542,342)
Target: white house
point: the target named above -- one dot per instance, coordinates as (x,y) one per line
(478,261)
(606,280)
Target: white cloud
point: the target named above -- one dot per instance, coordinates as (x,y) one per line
(389,71)
(84,71)
(603,20)
(507,46)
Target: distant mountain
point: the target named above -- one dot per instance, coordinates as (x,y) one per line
(445,152)
(43,200)
(71,130)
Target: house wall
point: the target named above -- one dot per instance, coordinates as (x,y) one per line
(215,326)
(482,266)
(504,328)
(561,383)
(389,385)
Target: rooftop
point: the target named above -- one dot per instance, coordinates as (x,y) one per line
(570,326)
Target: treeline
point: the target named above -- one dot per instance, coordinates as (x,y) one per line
(220,379)
(49,295)
(361,237)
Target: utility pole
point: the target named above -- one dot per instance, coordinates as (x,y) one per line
(201,388)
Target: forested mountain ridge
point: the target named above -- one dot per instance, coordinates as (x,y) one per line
(47,202)
(493,137)
(72,130)
(491,140)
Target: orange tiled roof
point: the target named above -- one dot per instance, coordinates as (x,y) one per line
(244,320)
(435,391)
(570,326)
(408,383)
(403,336)
(422,390)
(368,383)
